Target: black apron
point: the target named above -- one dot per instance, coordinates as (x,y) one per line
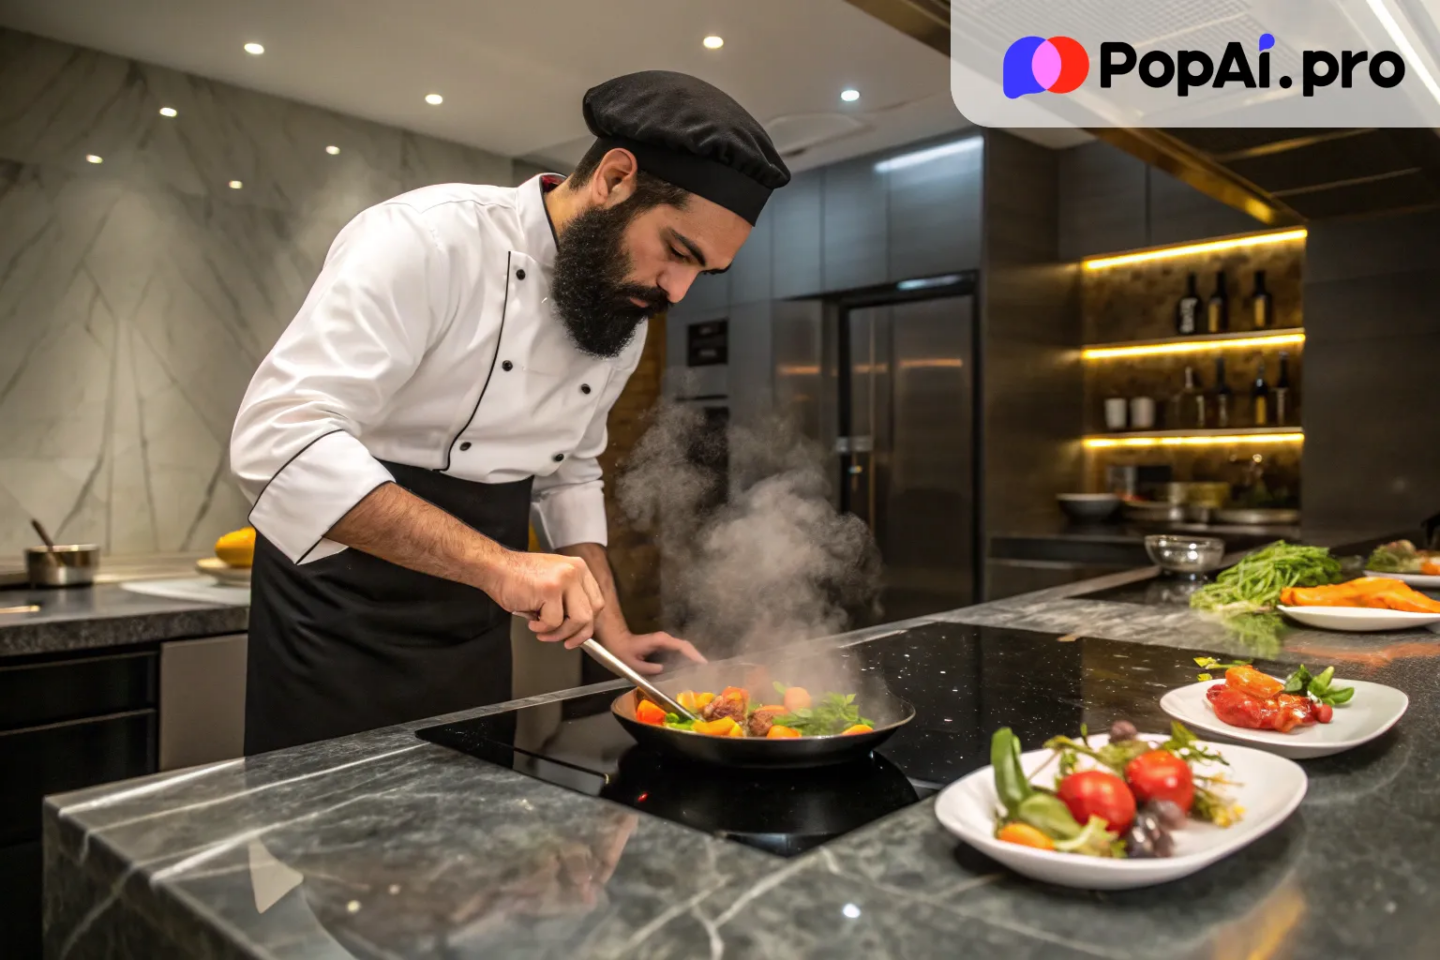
(352,642)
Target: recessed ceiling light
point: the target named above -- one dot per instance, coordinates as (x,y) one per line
(434,99)
(94,159)
(332,149)
(850,95)
(169,112)
(236,184)
(254,49)
(713,42)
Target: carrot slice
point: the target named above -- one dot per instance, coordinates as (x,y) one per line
(778,732)
(857,728)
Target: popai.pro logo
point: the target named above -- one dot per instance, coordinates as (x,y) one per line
(1036,65)
(1060,65)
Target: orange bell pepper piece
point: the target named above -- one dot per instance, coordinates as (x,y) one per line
(686,699)
(703,700)
(1252,681)
(716,728)
(1026,836)
(647,712)
(857,728)
(778,732)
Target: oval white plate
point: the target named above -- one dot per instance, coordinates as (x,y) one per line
(1421,581)
(1374,709)
(226,574)
(1359,619)
(1268,787)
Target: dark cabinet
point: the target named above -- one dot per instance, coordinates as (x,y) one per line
(1179,213)
(750,273)
(1102,201)
(52,692)
(935,208)
(853,242)
(795,233)
(54,759)
(708,292)
(65,724)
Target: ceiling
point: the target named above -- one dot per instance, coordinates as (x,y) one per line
(512,73)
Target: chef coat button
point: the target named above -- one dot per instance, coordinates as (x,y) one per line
(520,274)
(558,457)
(465,446)
(584,388)
(507,365)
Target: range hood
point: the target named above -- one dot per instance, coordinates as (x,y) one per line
(1280,177)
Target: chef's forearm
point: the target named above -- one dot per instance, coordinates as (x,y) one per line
(611,621)
(395,525)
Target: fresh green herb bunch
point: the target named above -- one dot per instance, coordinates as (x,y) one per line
(833,714)
(1254,584)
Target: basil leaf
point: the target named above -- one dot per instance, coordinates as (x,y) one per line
(1298,681)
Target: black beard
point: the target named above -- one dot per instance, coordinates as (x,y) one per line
(590,290)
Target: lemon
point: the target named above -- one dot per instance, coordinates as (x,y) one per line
(237,549)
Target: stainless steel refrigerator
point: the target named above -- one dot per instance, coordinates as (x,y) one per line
(889,387)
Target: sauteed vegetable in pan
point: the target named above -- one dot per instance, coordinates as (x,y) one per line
(735,712)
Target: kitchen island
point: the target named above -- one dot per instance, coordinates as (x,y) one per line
(385,845)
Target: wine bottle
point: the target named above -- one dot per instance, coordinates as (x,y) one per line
(1187,311)
(1281,392)
(1217,313)
(1261,306)
(1221,396)
(1192,403)
(1260,398)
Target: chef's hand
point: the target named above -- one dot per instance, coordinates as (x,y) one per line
(558,595)
(633,648)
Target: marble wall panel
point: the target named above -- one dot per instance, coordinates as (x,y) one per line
(138,295)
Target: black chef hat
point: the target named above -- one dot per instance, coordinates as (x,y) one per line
(690,134)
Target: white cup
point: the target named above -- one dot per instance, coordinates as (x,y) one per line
(1115,410)
(1142,413)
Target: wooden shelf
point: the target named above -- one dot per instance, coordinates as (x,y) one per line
(1200,343)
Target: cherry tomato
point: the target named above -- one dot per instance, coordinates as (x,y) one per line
(1324,712)
(1097,793)
(1160,775)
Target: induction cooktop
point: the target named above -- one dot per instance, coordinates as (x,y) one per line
(964,681)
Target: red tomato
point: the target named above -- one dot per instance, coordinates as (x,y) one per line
(1101,794)
(1160,775)
(1324,712)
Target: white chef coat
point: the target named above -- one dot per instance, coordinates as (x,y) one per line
(428,340)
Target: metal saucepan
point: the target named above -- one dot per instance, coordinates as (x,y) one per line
(875,702)
(70,565)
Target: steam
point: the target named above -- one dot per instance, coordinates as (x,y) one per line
(772,564)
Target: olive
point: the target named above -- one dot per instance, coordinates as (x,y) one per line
(1122,730)
(1147,837)
(1168,812)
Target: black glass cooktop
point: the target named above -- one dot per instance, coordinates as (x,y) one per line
(964,682)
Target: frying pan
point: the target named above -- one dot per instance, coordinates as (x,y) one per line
(781,810)
(876,703)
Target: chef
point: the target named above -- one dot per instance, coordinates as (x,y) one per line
(446,385)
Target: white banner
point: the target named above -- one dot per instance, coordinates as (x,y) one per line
(1196,63)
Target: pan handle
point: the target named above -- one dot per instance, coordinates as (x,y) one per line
(616,665)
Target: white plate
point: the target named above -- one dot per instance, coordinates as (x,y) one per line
(1268,787)
(1421,581)
(1359,619)
(235,576)
(1374,709)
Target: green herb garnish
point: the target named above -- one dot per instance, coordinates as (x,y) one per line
(1254,584)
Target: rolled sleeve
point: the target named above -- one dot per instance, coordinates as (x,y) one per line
(571,513)
(314,491)
(569,505)
(360,335)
